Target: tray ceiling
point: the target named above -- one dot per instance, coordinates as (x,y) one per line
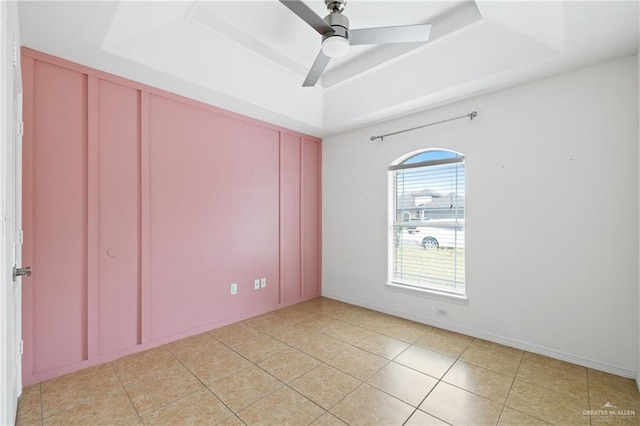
(251,56)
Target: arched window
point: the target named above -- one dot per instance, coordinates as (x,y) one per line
(428,252)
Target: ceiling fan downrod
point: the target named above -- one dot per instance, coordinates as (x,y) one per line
(335,6)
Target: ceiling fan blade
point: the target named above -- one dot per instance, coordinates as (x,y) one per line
(315,72)
(307,15)
(384,35)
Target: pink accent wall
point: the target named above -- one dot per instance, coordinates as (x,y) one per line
(214,215)
(142,207)
(59,217)
(290,218)
(118,217)
(310,212)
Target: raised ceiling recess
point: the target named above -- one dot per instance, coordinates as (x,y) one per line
(251,57)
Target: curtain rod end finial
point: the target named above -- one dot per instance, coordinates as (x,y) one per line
(473,114)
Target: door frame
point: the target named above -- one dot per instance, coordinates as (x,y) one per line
(10,212)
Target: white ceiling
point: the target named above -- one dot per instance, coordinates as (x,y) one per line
(252,56)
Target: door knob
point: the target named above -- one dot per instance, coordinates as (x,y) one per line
(21,272)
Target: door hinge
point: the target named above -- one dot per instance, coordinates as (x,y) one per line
(15,53)
(21,237)
(20,128)
(21,347)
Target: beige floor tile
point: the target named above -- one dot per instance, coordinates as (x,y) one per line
(493,356)
(114,410)
(242,389)
(358,362)
(144,365)
(617,419)
(200,407)
(318,324)
(291,334)
(22,420)
(292,314)
(325,385)
(198,344)
(282,407)
(370,406)
(443,341)
(235,334)
(264,322)
(320,346)
(384,346)
(215,364)
(289,364)
(347,333)
(425,361)
(420,418)
(328,419)
(400,329)
(460,407)
(162,389)
(352,316)
(600,378)
(608,388)
(615,416)
(301,313)
(320,313)
(260,349)
(548,405)
(481,381)
(374,321)
(356,340)
(553,374)
(535,360)
(231,421)
(29,406)
(511,417)
(403,382)
(324,303)
(65,392)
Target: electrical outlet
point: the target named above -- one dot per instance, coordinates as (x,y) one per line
(442,312)
(234,288)
(256,284)
(263,282)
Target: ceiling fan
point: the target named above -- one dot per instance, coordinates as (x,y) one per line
(337,37)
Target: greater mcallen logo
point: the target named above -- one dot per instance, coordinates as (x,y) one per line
(609,409)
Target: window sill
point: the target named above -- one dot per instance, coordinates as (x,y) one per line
(425,292)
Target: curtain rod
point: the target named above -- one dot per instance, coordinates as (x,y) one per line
(471,116)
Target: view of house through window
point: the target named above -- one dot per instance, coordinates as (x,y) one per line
(427,222)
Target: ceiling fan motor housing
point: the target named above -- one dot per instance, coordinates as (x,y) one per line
(339,23)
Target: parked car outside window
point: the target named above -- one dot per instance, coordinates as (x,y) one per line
(445,233)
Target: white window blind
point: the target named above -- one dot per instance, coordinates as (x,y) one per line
(427,204)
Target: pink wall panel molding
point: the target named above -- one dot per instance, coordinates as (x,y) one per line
(141,208)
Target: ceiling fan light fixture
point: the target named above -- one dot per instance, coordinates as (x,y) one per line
(335,46)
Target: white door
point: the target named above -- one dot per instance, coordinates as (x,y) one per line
(10,208)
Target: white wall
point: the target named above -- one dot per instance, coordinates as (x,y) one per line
(552,216)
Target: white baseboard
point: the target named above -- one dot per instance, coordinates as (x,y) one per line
(551,353)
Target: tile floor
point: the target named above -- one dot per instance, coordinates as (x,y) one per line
(324,362)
